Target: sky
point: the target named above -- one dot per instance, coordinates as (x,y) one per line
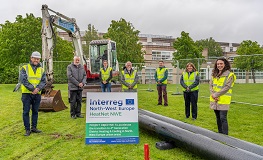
(224,20)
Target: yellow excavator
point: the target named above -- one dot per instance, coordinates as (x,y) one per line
(51,99)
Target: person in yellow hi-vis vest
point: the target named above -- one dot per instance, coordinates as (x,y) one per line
(190,81)
(221,86)
(105,77)
(33,80)
(129,78)
(160,77)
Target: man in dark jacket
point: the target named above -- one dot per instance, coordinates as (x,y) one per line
(76,80)
(161,76)
(33,80)
(105,56)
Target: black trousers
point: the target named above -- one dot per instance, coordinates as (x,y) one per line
(75,102)
(221,119)
(191,98)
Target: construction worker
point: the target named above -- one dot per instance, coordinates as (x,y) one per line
(129,78)
(105,55)
(105,77)
(33,80)
(161,76)
(221,91)
(190,81)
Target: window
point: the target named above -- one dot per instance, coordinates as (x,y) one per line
(161,55)
(170,74)
(203,73)
(96,51)
(240,74)
(223,48)
(149,73)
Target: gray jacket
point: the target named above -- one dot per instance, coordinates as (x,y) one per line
(76,74)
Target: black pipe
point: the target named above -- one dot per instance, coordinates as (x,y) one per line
(197,143)
(231,141)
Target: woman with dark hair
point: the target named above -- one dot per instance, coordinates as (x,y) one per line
(190,81)
(221,91)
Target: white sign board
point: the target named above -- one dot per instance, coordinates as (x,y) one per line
(112,118)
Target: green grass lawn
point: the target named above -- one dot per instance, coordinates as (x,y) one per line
(64,138)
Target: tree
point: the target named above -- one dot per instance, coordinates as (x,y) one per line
(63,50)
(186,51)
(250,57)
(18,40)
(126,38)
(214,49)
(90,34)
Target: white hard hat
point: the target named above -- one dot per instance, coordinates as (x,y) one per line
(36,54)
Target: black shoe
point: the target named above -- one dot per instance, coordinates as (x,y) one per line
(165,104)
(34,130)
(159,104)
(80,116)
(73,117)
(28,132)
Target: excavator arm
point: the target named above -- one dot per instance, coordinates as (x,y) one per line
(49,37)
(51,99)
(92,65)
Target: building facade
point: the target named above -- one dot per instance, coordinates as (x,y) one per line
(159,47)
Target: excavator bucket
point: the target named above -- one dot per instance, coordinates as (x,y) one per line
(52,102)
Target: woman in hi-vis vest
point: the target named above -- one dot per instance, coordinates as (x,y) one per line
(190,81)
(221,91)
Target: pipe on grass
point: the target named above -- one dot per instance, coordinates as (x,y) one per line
(231,141)
(195,142)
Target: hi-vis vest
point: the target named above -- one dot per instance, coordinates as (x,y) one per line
(129,79)
(160,74)
(33,78)
(218,84)
(105,74)
(190,80)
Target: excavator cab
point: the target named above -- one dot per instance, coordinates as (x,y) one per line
(101,50)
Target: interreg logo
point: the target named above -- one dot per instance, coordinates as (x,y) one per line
(106,102)
(129,101)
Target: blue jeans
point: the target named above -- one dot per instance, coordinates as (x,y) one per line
(105,87)
(33,101)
